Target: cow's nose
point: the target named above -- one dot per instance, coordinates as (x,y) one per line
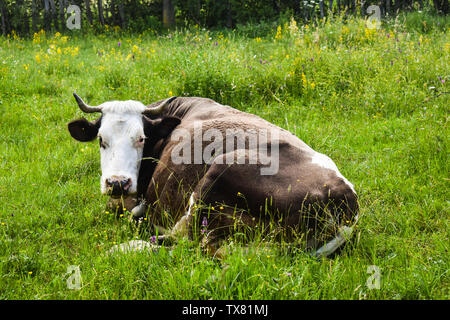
(118,186)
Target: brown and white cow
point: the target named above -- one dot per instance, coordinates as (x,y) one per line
(201,167)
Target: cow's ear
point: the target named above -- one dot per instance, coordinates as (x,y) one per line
(83,130)
(161,127)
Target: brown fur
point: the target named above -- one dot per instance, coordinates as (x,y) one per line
(301,197)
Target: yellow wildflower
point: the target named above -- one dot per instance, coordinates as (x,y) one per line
(304,81)
(278,35)
(345,30)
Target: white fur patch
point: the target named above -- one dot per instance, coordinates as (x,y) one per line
(124,107)
(191,204)
(180,228)
(325,162)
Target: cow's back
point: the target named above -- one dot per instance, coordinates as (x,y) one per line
(305,190)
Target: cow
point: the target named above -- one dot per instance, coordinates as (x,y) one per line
(193,167)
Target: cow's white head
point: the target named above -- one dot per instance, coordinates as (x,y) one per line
(122,131)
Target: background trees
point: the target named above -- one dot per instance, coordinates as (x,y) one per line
(27,16)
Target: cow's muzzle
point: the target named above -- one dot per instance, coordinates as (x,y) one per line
(118,185)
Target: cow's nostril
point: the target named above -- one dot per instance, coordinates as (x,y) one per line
(125,184)
(118,186)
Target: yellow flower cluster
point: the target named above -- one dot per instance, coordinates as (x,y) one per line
(279,35)
(305,82)
(55,50)
(370,33)
(58,39)
(73,51)
(39,37)
(14,35)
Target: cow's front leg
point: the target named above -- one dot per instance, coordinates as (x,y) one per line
(119,206)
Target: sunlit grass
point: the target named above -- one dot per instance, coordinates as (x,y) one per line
(356,94)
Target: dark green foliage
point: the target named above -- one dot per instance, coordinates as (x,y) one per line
(27,16)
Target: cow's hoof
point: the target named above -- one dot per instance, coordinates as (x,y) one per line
(139,210)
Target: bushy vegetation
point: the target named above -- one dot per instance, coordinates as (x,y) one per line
(371,99)
(24,17)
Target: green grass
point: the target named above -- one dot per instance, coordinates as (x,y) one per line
(354,94)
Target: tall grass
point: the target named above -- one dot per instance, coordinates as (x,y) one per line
(368,98)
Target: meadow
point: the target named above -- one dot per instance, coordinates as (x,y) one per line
(373,99)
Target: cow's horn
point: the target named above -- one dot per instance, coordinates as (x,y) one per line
(156,109)
(84,107)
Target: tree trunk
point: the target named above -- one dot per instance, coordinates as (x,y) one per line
(321,9)
(47,15)
(229,15)
(305,12)
(53,16)
(22,16)
(330,5)
(113,14)
(52,6)
(87,4)
(100,12)
(168,14)
(3,13)
(61,15)
(33,16)
(121,14)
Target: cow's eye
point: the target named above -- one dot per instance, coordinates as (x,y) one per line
(141,140)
